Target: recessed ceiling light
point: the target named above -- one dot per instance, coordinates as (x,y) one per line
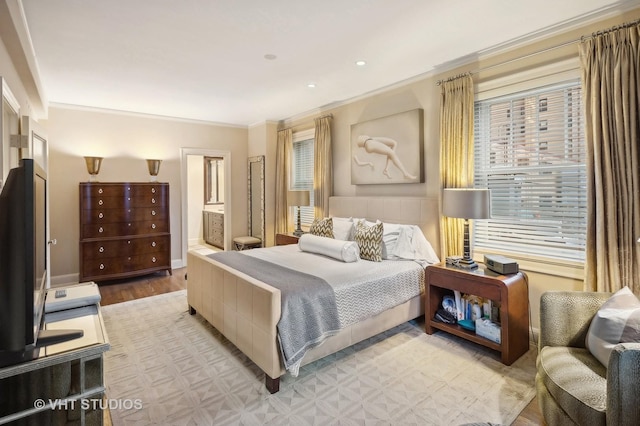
(311,85)
(270,56)
(361,63)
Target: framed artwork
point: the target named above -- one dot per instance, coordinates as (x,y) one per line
(388,149)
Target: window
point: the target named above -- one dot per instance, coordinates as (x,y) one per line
(530,151)
(302,171)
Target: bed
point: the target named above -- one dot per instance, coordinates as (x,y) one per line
(239,301)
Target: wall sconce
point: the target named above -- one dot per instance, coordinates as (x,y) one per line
(93,167)
(154,168)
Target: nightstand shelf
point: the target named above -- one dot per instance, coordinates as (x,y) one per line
(509,290)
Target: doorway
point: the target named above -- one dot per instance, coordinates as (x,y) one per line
(192,169)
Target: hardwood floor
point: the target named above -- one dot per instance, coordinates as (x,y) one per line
(118,291)
(150,285)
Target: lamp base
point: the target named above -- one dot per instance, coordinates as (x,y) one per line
(467,263)
(298,232)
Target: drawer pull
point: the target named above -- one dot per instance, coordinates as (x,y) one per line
(101,249)
(101,266)
(100,202)
(100,230)
(128,198)
(129,242)
(100,191)
(153,226)
(153,200)
(100,215)
(153,190)
(153,212)
(128,224)
(153,244)
(153,259)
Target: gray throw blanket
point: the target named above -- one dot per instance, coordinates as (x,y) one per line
(309,312)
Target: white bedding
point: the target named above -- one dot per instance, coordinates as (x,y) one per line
(362,288)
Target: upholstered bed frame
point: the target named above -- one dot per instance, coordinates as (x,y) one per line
(246,311)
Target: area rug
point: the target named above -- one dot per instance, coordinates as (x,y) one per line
(168,367)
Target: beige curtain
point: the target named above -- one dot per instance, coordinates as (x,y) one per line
(322,167)
(456,152)
(610,75)
(283,155)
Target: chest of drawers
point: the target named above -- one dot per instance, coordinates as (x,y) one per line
(213,228)
(124,230)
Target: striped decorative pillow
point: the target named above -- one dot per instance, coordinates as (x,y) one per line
(369,239)
(617,321)
(322,227)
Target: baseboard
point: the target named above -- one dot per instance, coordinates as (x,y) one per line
(534,335)
(65,280)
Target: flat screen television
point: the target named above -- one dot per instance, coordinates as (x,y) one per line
(24,272)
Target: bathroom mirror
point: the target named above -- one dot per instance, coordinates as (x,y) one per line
(213,180)
(255,193)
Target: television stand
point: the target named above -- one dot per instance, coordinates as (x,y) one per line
(65,383)
(52,337)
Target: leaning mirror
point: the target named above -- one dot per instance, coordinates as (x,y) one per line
(255,192)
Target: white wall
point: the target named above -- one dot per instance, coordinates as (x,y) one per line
(125,141)
(195,198)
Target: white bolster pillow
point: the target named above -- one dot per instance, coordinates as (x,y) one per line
(346,251)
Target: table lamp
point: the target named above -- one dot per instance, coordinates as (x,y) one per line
(299,199)
(466,203)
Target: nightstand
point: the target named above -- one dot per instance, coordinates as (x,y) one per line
(510,291)
(284,239)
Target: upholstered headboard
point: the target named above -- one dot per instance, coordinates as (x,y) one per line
(421,211)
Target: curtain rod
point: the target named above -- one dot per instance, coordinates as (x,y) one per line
(614,28)
(548,49)
(330,115)
(315,118)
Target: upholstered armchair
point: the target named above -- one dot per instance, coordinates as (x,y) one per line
(573,387)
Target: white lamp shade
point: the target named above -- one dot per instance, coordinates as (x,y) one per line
(298,198)
(466,203)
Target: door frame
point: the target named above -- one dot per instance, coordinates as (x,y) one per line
(184,173)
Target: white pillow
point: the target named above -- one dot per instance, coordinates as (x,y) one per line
(617,321)
(412,244)
(343,228)
(345,251)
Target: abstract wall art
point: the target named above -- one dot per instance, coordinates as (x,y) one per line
(388,150)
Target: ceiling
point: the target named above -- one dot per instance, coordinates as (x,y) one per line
(208,59)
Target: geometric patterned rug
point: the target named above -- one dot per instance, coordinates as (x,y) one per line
(168,367)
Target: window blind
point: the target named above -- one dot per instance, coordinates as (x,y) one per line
(530,151)
(302,176)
